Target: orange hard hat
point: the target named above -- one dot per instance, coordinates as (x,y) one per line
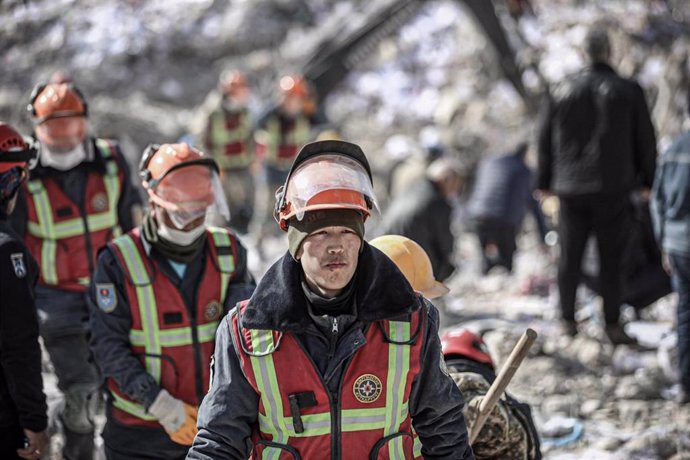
(294,85)
(413,262)
(233,80)
(56,100)
(326,175)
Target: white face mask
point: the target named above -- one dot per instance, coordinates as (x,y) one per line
(62,161)
(180,237)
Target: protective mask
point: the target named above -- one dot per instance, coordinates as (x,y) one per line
(180,237)
(62,161)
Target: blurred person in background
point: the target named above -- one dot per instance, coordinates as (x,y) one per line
(423,213)
(509,432)
(501,196)
(23,419)
(670,206)
(334,355)
(156,299)
(280,132)
(228,138)
(596,144)
(76,199)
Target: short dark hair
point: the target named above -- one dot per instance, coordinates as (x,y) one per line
(597,44)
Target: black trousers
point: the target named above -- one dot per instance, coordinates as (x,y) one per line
(609,218)
(502,234)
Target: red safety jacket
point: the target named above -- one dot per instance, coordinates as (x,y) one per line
(57,231)
(167,340)
(299,419)
(228,139)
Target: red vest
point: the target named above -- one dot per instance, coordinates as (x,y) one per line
(163,334)
(369,419)
(56,228)
(229,139)
(282,140)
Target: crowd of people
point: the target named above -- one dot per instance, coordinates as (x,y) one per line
(143,298)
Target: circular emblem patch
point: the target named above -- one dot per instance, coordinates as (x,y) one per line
(99,202)
(367,388)
(212,311)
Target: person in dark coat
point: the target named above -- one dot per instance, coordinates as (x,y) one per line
(423,213)
(332,339)
(596,144)
(501,196)
(23,419)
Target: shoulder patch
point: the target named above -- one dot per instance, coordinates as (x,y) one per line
(18,264)
(106,298)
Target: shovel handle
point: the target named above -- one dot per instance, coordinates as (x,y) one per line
(502,380)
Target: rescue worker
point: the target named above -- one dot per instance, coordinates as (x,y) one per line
(228,138)
(23,419)
(509,432)
(280,134)
(156,299)
(76,199)
(334,355)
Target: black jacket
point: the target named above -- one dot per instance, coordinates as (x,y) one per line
(596,136)
(22,402)
(423,214)
(229,411)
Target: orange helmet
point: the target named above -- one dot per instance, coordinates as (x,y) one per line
(232,81)
(56,100)
(15,154)
(326,175)
(294,85)
(183,180)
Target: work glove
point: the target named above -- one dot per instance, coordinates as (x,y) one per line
(177,418)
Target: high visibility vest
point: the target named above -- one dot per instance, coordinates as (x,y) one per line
(174,347)
(230,135)
(56,230)
(299,419)
(283,141)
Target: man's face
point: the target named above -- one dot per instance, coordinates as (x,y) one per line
(61,135)
(329,258)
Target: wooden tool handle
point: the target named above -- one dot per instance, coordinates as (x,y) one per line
(502,380)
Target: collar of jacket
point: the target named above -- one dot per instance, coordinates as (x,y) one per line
(601,67)
(278,302)
(94,161)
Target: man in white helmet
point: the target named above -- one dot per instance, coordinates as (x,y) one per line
(334,355)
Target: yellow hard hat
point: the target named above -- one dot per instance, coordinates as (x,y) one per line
(413,262)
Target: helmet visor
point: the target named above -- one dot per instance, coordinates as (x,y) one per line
(63,133)
(190,192)
(328,172)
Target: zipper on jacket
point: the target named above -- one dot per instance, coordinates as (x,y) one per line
(333,338)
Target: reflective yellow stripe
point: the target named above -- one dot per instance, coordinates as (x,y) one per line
(226,262)
(417,448)
(131,407)
(176,337)
(147,303)
(398,367)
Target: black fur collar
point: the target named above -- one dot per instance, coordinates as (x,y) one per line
(278,303)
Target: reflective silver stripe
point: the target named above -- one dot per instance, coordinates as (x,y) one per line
(176,337)
(398,365)
(221,238)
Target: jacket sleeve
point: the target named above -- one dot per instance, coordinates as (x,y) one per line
(229,411)
(129,195)
(544,147)
(110,333)
(436,402)
(20,353)
(242,285)
(645,140)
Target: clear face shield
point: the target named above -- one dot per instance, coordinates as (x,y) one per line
(191,193)
(330,181)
